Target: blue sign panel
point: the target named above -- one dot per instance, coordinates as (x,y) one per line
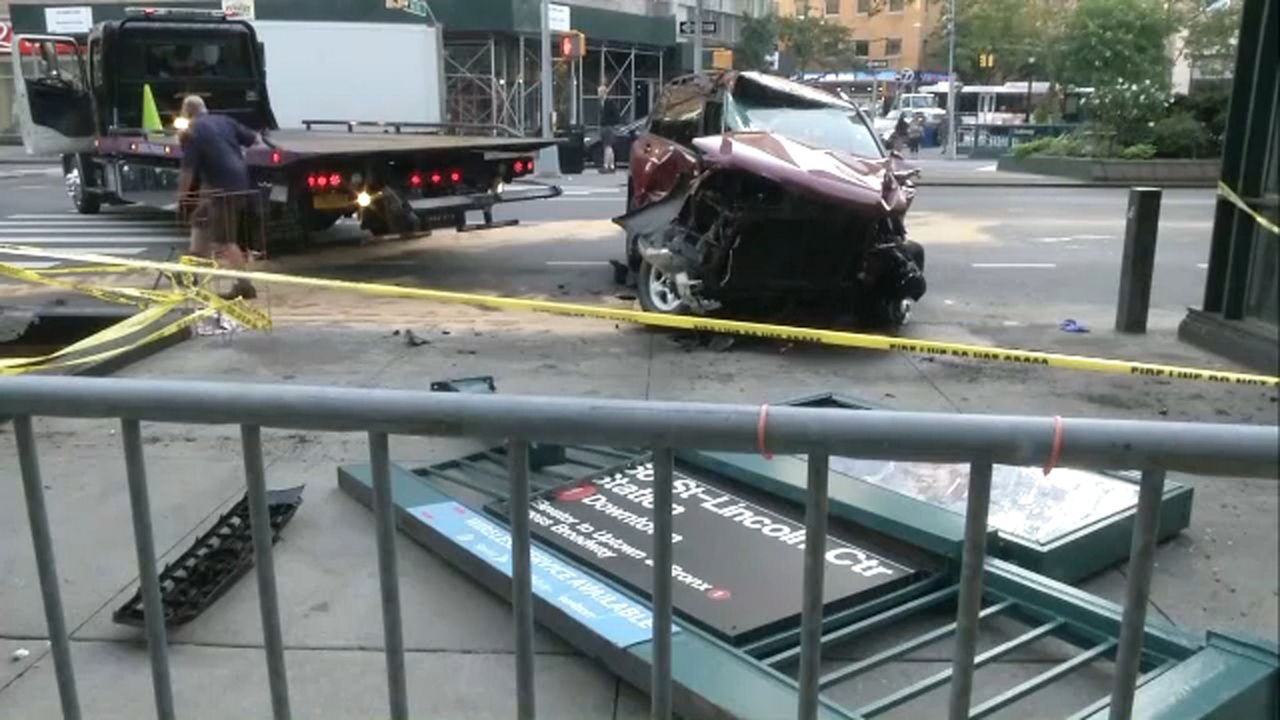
(610,615)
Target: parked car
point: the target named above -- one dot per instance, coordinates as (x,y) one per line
(746,186)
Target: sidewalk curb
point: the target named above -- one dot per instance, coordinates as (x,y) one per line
(1057,184)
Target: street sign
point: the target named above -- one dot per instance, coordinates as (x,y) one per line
(906,75)
(6,36)
(737,566)
(75,20)
(558,17)
(709,27)
(877,64)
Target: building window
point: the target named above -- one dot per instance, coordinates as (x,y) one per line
(893,47)
(896,5)
(861,48)
(864,6)
(833,7)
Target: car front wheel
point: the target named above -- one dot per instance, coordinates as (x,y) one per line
(657,291)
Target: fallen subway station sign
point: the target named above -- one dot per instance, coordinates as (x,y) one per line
(737,566)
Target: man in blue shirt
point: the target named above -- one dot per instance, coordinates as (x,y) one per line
(215,180)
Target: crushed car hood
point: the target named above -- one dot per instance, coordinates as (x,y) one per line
(828,174)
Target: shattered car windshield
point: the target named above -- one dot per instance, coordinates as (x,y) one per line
(828,127)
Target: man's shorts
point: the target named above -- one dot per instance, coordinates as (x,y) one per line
(221,220)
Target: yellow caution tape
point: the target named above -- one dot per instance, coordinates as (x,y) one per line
(684,322)
(134,324)
(1239,202)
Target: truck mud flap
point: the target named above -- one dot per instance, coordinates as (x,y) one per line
(212,565)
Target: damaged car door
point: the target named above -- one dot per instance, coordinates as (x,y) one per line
(663,157)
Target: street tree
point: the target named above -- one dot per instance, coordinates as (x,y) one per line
(1015,36)
(1109,42)
(1208,29)
(815,42)
(759,40)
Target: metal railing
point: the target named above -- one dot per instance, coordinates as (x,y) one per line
(981,440)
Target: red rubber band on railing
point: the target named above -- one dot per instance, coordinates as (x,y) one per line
(761,424)
(1055,450)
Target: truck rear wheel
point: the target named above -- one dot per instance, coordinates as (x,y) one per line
(321,221)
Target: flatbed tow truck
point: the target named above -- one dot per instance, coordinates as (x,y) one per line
(89,100)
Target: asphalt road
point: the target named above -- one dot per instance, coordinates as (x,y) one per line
(1008,256)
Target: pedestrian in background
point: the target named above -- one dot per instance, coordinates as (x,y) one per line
(900,130)
(608,121)
(915,133)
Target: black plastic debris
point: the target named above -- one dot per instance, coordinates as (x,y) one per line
(480,384)
(213,564)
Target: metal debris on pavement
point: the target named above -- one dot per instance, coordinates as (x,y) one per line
(211,566)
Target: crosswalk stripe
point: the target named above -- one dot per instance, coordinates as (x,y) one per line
(65,240)
(72,216)
(124,231)
(100,250)
(73,222)
(32,264)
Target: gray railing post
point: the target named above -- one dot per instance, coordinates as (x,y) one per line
(660,693)
(388,574)
(815,546)
(46,567)
(969,601)
(148,576)
(264,566)
(1139,260)
(521,576)
(1142,557)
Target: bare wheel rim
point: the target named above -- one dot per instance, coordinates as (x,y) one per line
(662,291)
(75,188)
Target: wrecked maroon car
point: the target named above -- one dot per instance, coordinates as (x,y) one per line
(747,187)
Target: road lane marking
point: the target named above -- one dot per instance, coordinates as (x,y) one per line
(1203,266)
(1014,265)
(63,240)
(70,231)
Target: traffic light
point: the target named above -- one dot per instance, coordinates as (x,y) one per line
(573,44)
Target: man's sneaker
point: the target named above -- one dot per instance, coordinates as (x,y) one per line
(242,289)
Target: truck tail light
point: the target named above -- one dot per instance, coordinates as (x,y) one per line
(311,181)
(435,178)
(322,181)
(275,157)
(455,176)
(518,167)
(416,179)
(528,165)
(335,179)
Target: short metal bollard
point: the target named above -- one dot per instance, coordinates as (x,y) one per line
(1138,264)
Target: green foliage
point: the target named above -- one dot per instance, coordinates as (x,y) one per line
(1127,110)
(759,38)
(1072,145)
(817,44)
(1033,147)
(1141,151)
(1180,136)
(1018,32)
(1210,108)
(1110,43)
(1212,28)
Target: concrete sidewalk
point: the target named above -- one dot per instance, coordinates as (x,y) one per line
(1221,573)
(17,155)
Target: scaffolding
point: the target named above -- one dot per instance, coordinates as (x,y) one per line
(494,79)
